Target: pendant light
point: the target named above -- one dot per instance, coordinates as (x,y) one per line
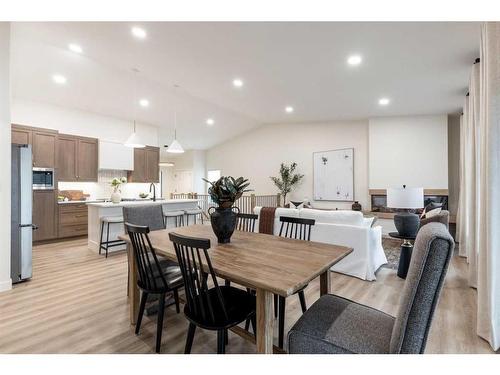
(175,147)
(133,140)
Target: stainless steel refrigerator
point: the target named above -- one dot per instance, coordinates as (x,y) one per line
(21,213)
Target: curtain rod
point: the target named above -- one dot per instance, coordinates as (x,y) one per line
(477,60)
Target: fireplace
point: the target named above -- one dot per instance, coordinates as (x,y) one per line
(379,200)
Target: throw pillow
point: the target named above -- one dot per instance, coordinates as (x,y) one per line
(433,212)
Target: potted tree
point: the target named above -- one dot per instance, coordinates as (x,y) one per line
(287,179)
(224,192)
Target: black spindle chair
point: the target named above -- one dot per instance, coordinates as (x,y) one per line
(299,229)
(218,308)
(246,222)
(153,277)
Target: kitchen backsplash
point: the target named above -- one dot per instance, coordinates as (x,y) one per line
(103,189)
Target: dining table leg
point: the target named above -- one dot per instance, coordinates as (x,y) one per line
(324,283)
(133,290)
(265,321)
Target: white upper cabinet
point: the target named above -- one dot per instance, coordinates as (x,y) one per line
(114,155)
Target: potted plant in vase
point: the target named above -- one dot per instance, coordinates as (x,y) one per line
(116,195)
(224,192)
(287,179)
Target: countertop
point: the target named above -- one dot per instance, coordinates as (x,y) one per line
(102,200)
(136,203)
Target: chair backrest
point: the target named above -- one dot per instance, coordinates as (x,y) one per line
(148,215)
(296,228)
(430,259)
(246,222)
(192,255)
(150,275)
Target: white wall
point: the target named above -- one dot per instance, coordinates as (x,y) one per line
(409,150)
(71,121)
(5,156)
(257,155)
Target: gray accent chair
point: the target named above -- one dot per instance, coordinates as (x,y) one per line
(150,215)
(339,326)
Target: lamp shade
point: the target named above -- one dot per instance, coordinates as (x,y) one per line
(409,198)
(134,141)
(175,147)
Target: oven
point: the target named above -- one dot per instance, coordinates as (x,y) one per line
(43,178)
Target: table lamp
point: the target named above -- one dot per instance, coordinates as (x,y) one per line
(407,223)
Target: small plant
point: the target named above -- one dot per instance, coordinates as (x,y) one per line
(116,182)
(287,179)
(226,190)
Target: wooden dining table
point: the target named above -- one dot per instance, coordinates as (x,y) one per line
(268,264)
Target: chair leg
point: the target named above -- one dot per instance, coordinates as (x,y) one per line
(227,282)
(176,298)
(247,324)
(159,327)
(107,240)
(201,215)
(226,337)
(144,299)
(281,321)
(220,342)
(100,241)
(190,337)
(275,305)
(302,299)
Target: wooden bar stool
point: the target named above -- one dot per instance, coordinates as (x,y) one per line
(178,217)
(194,213)
(105,245)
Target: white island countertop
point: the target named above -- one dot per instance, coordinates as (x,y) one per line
(139,203)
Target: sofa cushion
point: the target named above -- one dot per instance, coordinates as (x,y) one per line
(345,217)
(337,325)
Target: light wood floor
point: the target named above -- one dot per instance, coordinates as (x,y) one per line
(77,303)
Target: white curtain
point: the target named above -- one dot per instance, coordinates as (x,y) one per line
(488,254)
(479,199)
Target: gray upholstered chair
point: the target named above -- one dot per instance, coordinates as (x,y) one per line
(150,215)
(442,217)
(337,325)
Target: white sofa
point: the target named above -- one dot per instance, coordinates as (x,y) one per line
(346,228)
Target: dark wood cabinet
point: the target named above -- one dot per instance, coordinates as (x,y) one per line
(21,135)
(87,159)
(152,164)
(77,158)
(67,149)
(44,148)
(44,215)
(73,219)
(146,168)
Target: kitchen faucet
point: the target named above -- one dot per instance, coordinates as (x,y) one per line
(152,186)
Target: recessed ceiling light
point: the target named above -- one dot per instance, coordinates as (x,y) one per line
(210,121)
(75,48)
(354,60)
(139,32)
(384,101)
(59,79)
(144,103)
(237,82)
(288,109)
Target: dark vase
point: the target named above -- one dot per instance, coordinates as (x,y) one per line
(223,222)
(356,206)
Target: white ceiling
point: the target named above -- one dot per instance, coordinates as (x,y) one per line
(422,67)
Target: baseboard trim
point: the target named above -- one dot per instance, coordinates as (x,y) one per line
(5,285)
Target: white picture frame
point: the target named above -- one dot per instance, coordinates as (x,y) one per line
(333,175)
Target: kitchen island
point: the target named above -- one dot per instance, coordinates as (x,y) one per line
(96,210)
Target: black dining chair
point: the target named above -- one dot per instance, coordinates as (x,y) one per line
(153,277)
(299,229)
(218,308)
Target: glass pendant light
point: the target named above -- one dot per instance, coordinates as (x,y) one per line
(133,140)
(175,147)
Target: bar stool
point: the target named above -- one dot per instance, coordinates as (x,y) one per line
(178,217)
(194,212)
(108,220)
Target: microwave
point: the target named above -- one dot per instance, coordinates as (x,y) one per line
(43,178)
